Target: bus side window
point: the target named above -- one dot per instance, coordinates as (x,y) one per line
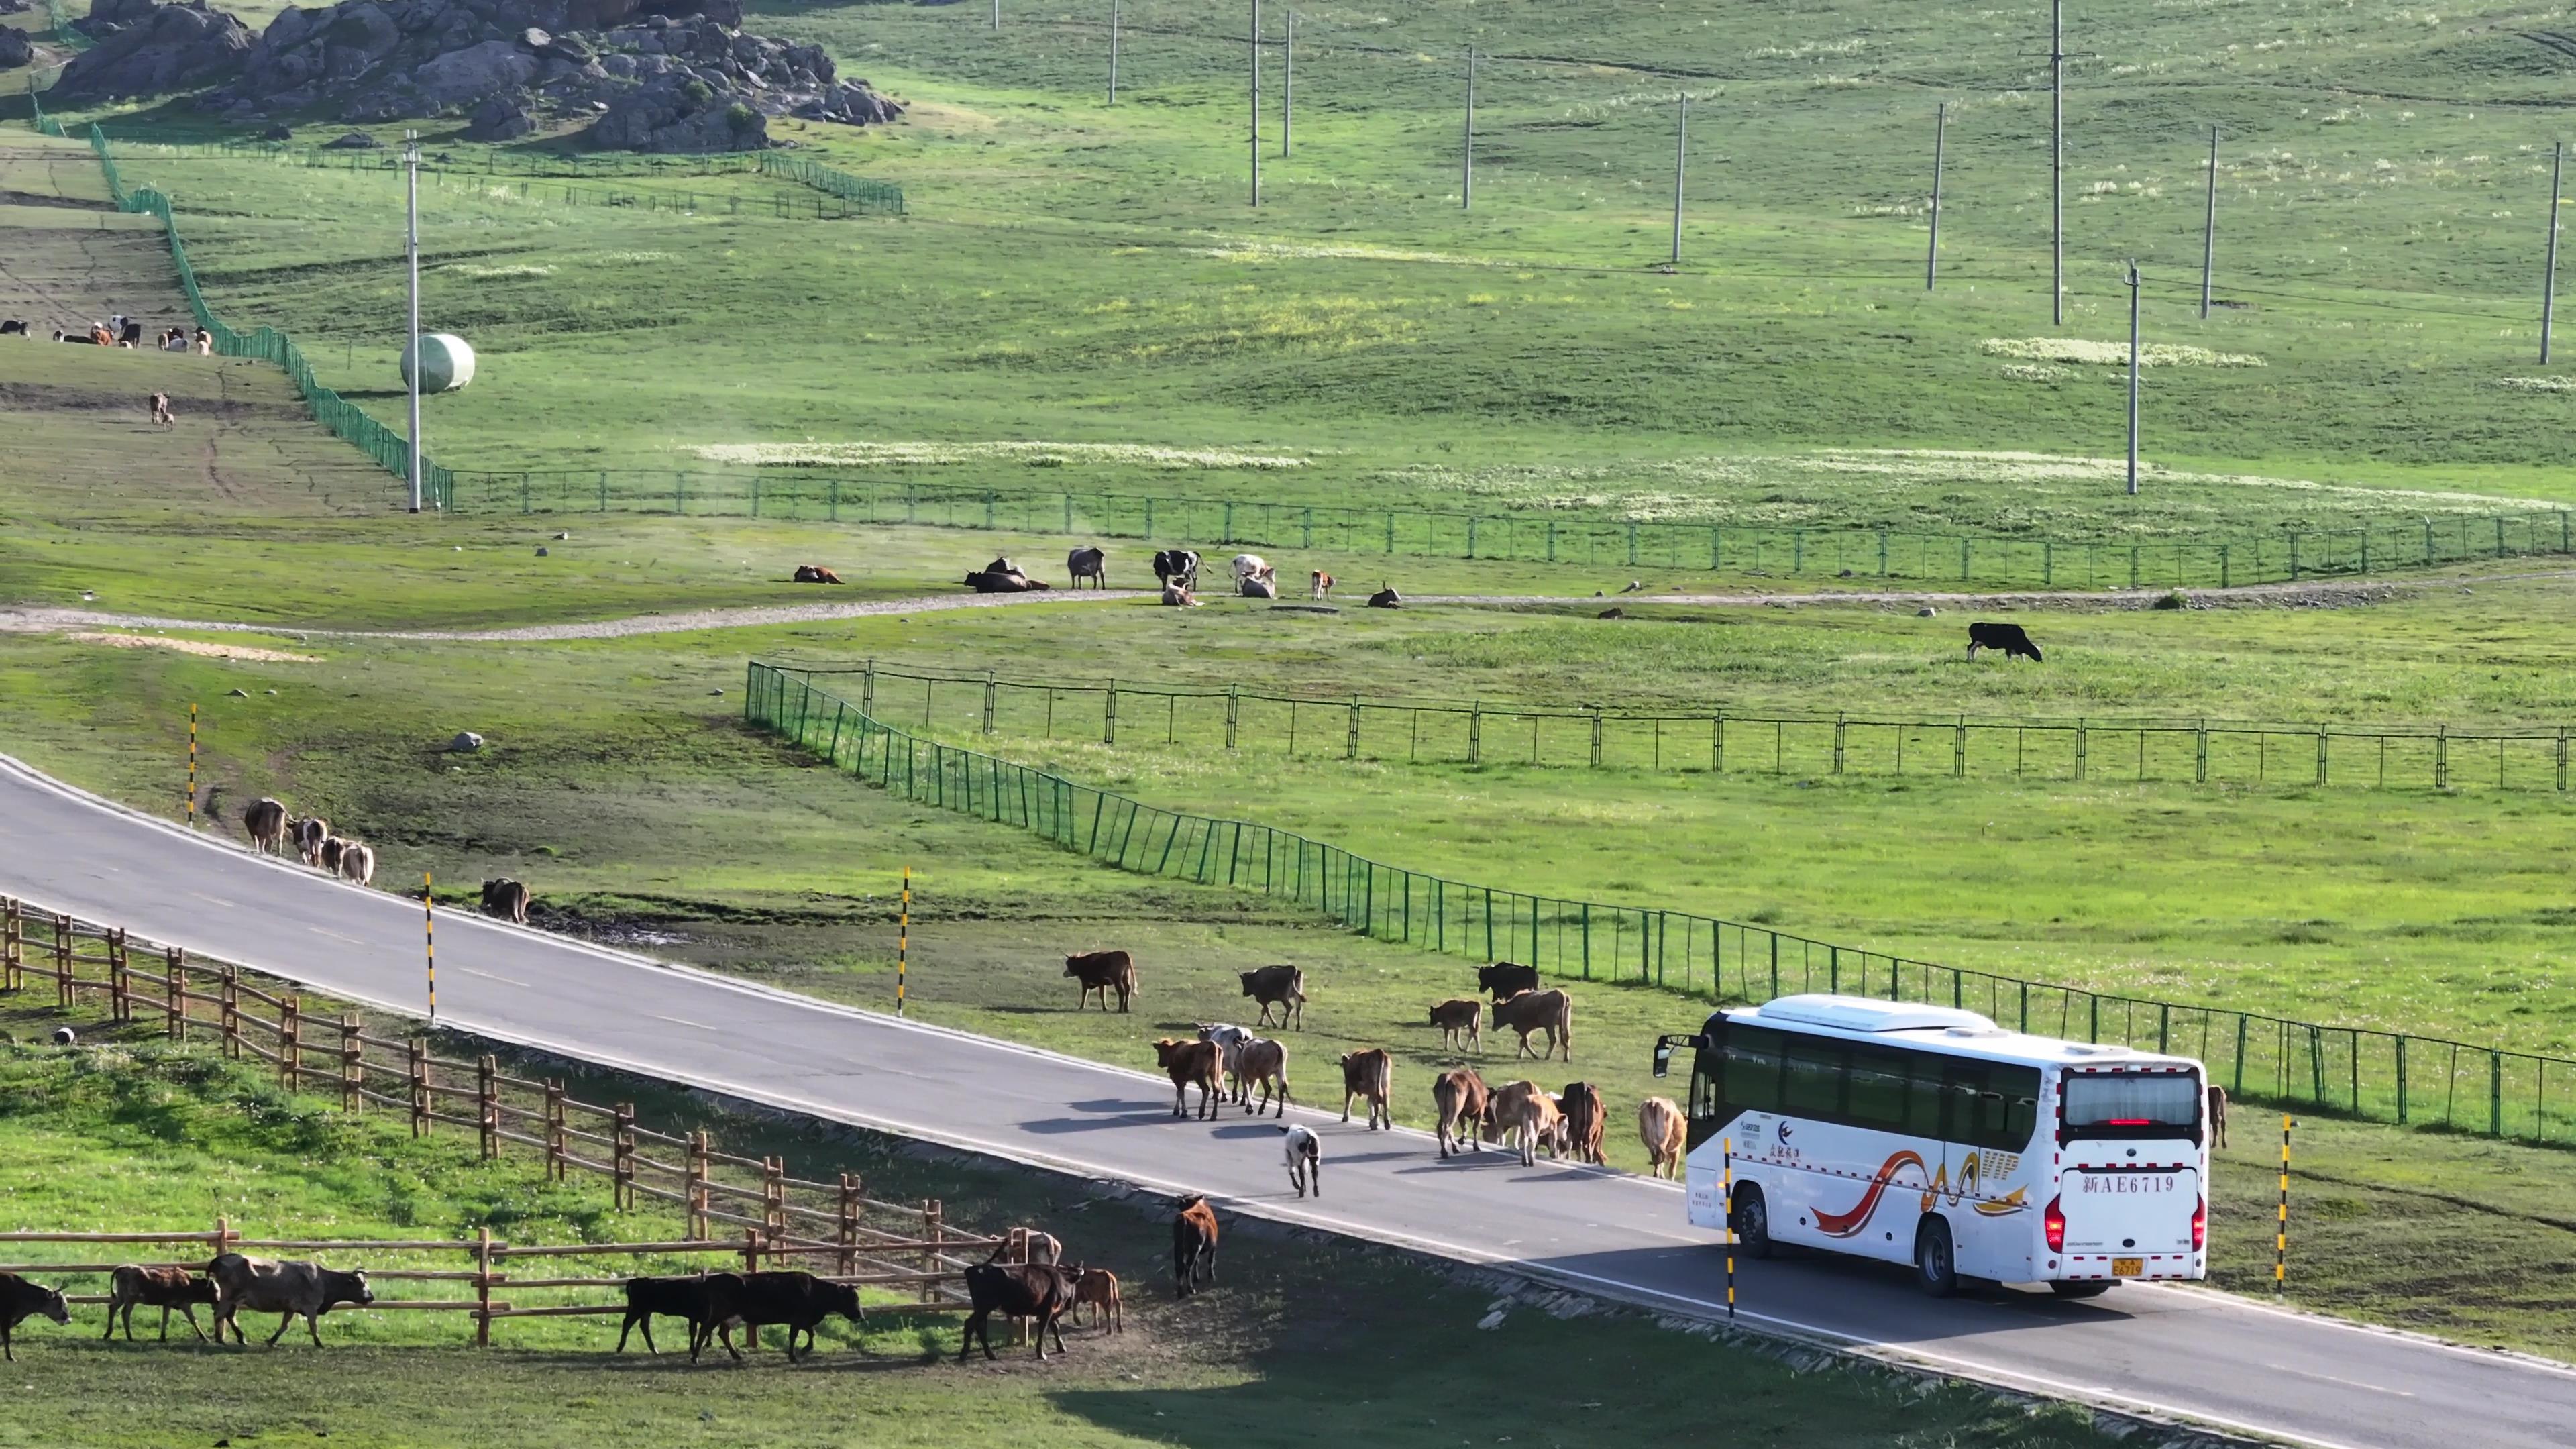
(1878,1088)
(1923,1096)
(2020,1102)
(1812,1079)
(1752,1070)
(1963,1083)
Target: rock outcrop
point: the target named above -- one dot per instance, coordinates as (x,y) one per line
(146,49)
(15,50)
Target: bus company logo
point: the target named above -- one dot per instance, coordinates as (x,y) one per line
(1782,1132)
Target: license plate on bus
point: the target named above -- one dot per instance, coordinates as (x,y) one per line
(2128,1267)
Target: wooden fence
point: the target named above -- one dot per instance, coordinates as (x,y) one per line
(781,1217)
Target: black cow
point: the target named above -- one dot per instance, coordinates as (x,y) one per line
(676,1297)
(21,1300)
(1043,1291)
(992,581)
(1503,978)
(13,328)
(798,1300)
(1087,563)
(1177,564)
(1386,598)
(1280,987)
(2006,637)
(132,336)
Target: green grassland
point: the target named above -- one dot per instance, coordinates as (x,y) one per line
(129,1134)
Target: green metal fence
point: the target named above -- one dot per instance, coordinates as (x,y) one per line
(2358,1071)
(838,195)
(868,496)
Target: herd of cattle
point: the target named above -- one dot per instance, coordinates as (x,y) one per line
(1176,571)
(272,829)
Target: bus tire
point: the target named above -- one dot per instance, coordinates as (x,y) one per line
(1751,1219)
(2081,1288)
(1936,1265)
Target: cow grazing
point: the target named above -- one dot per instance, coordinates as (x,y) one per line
(1532,1011)
(327,854)
(2006,637)
(1659,1126)
(1257,588)
(1585,1117)
(1087,563)
(21,1300)
(1194,1235)
(1190,1063)
(1506,978)
(163,1288)
(1098,1287)
(13,328)
(131,334)
(290,1290)
(1386,598)
(1176,597)
(1265,1063)
(308,833)
(798,1300)
(814,574)
(683,1297)
(2217,1115)
(1461,1015)
(1319,585)
(265,821)
(1305,1153)
(1040,1291)
(507,899)
(1177,566)
(1104,972)
(1229,1041)
(1254,566)
(1526,1117)
(1461,1100)
(1281,986)
(357,862)
(1369,1074)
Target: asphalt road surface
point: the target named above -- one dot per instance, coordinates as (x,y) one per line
(2186,1353)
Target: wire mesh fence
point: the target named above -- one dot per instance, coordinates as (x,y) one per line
(2358,1071)
(543,176)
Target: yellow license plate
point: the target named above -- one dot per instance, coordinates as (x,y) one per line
(2128,1267)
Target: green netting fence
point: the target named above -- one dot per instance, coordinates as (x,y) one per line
(838,195)
(869,496)
(45,125)
(2358,1071)
(63,33)
(1717,739)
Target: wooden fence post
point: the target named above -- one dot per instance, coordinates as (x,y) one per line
(290,1043)
(773,1194)
(696,1190)
(417,1070)
(849,1226)
(624,1160)
(229,990)
(751,1250)
(483,1289)
(175,1015)
(931,1235)
(556,1168)
(120,1004)
(487,1104)
(224,1236)
(353,1063)
(63,962)
(13,945)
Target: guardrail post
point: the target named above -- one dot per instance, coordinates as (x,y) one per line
(622,1160)
(556,1167)
(417,1069)
(353,1063)
(174,1016)
(290,1043)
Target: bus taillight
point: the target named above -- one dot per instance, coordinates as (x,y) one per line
(2200,1225)
(2053,1222)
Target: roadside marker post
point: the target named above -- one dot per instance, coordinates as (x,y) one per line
(903,941)
(429,941)
(192,766)
(2281,1239)
(1727,1204)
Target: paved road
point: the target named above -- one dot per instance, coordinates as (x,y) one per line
(2182,1352)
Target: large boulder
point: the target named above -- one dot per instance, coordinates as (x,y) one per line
(676,115)
(500,118)
(161,48)
(14,49)
(460,78)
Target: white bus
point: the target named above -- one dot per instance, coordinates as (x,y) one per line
(1931,1136)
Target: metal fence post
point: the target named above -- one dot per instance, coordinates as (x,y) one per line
(2200,753)
(1839,724)
(1959,749)
(1596,737)
(1351,748)
(1109,715)
(1233,711)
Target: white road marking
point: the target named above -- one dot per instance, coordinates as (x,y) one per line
(336,936)
(214,900)
(2282,1368)
(504,980)
(677,1021)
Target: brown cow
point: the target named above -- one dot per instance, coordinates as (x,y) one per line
(814,574)
(1099,1288)
(1104,972)
(266,822)
(162,1288)
(1320,585)
(1191,1063)
(1194,1235)
(1525,1116)
(308,834)
(1265,1062)
(1660,1126)
(1369,1074)
(1037,1291)
(2217,1115)
(1584,1114)
(1549,1011)
(1280,986)
(1460,1014)
(507,899)
(1460,1098)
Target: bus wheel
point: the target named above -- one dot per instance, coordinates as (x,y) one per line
(1752,1222)
(1936,1268)
(2094,1288)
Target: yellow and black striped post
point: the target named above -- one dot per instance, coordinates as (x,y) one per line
(429,940)
(902,940)
(1726,1201)
(2281,1239)
(192,766)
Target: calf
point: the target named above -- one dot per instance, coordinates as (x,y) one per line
(1265,1062)
(1319,585)
(1099,1288)
(1505,978)
(1190,1063)
(1176,597)
(1532,1011)
(357,862)
(1461,1100)
(1177,566)
(1660,1126)
(1305,1152)
(265,821)
(308,834)
(507,899)
(797,1299)
(683,1297)
(1369,1074)
(1194,1235)
(290,1290)
(1462,1014)
(1281,986)
(162,1288)
(1524,1116)
(1087,563)
(1584,1119)
(21,1300)
(1104,972)
(2006,637)
(814,574)
(2217,1115)
(1016,1290)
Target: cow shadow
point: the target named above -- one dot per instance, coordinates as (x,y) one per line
(1059,1126)
(1265,1127)
(1113,1104)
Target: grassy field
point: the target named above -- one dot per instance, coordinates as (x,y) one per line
(136,1136)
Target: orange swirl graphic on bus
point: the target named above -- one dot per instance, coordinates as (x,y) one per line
(1843,1225)
(1967,1187)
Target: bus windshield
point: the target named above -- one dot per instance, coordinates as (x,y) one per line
(2132,1104)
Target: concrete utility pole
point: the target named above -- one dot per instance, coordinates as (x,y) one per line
(2133,379)
(2057,161)
(411,333)
(1940,136)
(1288,89)
(1467,176)
(1113,52)
(997,14)
(2549,277)
(2209,229)
(1681,162)
(1256,102)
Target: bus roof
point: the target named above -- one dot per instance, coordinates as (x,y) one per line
(1938,1028)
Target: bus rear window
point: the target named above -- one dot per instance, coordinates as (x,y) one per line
(2132,1104)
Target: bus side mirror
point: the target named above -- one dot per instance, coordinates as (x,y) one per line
(1663,1055)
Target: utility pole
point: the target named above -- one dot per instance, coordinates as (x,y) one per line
(1940,136)
(2057,161)
(1113,52)
(997,14)
(2209,229)
(1467,176)
(2133,379)
(1288,89)
(411,257)
(2549,278)
(1256,102)
(1681,160)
